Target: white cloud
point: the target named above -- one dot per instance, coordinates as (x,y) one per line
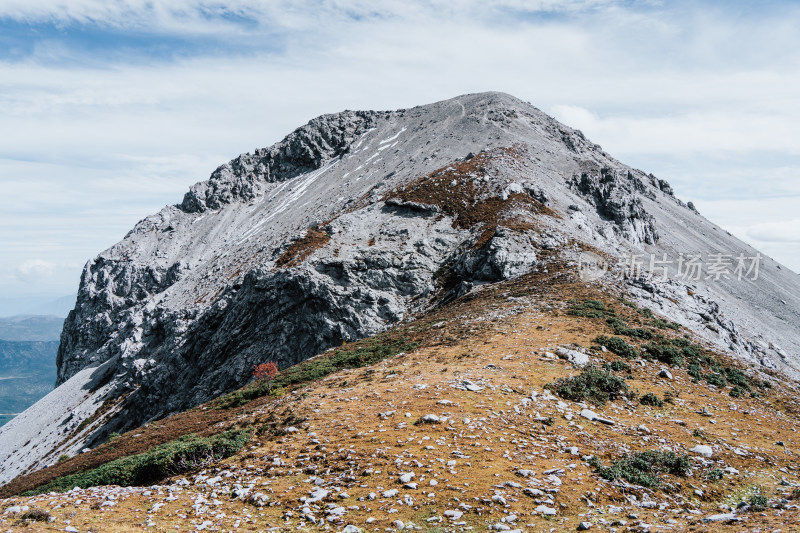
(787,231)
(698,131)
(34,270)
(291,13)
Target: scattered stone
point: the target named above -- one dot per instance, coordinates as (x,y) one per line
(702,449)
(576,358)
(723,517)
(583,526)
(666,374)
(594,417)
(407,477)
(453,514)
(470,386)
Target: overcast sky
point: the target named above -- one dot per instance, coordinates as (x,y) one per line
(110,110)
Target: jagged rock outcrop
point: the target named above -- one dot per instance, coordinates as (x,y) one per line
(352,223)
(617,197)
(304,150)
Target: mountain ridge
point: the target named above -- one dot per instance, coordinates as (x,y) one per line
(181,309)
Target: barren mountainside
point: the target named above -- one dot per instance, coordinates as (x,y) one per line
(360,221)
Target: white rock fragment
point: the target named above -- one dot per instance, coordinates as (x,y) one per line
(702,449)
(576,358)
(545,510)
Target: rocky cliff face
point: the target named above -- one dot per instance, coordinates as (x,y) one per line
(352,223)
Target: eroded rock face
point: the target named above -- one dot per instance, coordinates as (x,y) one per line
(616,196)
(352,223)
(509,254)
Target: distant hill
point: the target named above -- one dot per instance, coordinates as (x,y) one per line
(31,328)
(59,307)
(36,305)
(27,371)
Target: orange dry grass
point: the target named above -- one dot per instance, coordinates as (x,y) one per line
(496,337)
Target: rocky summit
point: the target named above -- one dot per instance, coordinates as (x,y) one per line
(424,232)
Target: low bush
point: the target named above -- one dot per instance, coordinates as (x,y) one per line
(617,366)
(737,392)
(660,323)
(35,515)
(666,353)
(620,327)
(758,502)
(356,355)
(715,379)
(589,309)
(174,457)
(639,333)
(644,468)
(736,377)
(651,399)
(618,346)
(592,384)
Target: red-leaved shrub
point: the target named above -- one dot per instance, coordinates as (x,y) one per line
(266,372)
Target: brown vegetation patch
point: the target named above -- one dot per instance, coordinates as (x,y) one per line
(461,191)
(296,253)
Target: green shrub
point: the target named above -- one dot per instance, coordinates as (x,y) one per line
(592,384)
(716,379)
(620,327)
(737,392)
(660,323)
(651,399)
(618,346)
(63,458)
(617,366)
(639,333)
(589,309)
(666,353)
(715,474)
(736,377)
(643,468)
(694,370)
(758,502)
(357,355)
(36,515)
(690,351)
(174,457)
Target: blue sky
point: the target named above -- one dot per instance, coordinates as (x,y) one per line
(111,109)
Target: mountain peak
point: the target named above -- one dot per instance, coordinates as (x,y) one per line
(362,220)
